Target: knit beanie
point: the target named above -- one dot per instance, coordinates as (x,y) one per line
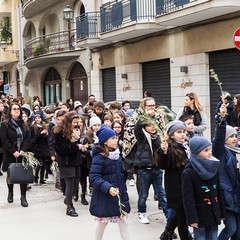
(94,120)
(197,144)
(230,131)
(77,104)
(104,133)
(26,108)
(173,126)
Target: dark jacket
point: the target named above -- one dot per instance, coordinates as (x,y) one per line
(9,140)
(172,179)
(228,173)
(147,148)
(202,199)
(229,117)
(67,152)
(40,143)
(104,174)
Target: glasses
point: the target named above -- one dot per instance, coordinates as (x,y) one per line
(150,105)
(16,109)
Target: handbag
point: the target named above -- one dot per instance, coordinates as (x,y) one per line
(17,173)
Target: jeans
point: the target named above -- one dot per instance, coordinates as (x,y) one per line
(147,177)
(207,233)
(232,226)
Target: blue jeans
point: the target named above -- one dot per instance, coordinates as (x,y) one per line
(232,226)
(208,233)
(146,178)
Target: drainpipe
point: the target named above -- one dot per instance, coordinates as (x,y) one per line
(20,42)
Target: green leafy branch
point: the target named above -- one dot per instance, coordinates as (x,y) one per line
(145,118)
(223,94)
(30,161)
(54,167)
(121,206)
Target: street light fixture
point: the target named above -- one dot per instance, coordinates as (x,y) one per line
(68,16)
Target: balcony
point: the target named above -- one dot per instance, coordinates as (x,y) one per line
(51,48)
(176,13)
(88,30)
(33,7)
(117,21)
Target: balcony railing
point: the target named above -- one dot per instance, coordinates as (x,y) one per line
(88,25)
(116,14)
(168,6)
(51,43)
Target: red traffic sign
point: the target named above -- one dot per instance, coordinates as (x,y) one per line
(236,38)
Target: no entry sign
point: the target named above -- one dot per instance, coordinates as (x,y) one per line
(236,38)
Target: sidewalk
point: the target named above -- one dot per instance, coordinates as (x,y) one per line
(46,218)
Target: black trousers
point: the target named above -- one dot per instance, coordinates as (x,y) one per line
(23,188)
(71,187)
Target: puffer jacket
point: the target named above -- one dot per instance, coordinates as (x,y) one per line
(104,174)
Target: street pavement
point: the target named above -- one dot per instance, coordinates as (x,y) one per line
(46,219)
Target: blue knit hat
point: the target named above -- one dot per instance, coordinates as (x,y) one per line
(173,126)
(104,133)
(197,144)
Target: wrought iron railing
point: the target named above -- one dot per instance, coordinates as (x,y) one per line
(168,6)
(115,14)
(51,43)
(88,25)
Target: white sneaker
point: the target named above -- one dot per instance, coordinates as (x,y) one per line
(131,182)
(142,218)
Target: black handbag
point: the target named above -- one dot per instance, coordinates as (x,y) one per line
(17,173)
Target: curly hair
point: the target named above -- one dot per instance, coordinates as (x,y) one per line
(65,126)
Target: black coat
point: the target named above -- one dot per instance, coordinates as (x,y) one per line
(9,140)
(40,143)
(172,179)
(67,152)
(203,201)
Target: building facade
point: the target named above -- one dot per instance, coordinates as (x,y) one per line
(118,49)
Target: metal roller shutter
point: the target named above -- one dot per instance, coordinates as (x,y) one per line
(226,64)
(109,84)
(156,78)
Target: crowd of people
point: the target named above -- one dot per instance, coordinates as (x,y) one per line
(97,149)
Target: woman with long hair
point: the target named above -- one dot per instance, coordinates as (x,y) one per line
(16,140)
(68,154)
(193,107)
(236,111)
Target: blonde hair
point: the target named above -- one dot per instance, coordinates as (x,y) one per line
(197,105)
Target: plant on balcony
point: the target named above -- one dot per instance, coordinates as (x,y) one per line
(5,30)
(37,50)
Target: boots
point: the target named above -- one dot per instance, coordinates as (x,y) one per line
(24,202)
(83,200)
(10,197)
(71,211)
(166,235)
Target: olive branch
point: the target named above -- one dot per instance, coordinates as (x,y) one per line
(54,167)
(29,161)
(121,206)
(223,94)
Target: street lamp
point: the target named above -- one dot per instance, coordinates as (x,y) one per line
(68,16)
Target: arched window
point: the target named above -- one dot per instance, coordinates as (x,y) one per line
(52,87)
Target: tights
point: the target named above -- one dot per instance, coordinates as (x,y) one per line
(71,186)
(23,188)
(123,227)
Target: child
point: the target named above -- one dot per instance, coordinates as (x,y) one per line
(224,148)
(189,123)
(202,198)
(173,157)
(106,176)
